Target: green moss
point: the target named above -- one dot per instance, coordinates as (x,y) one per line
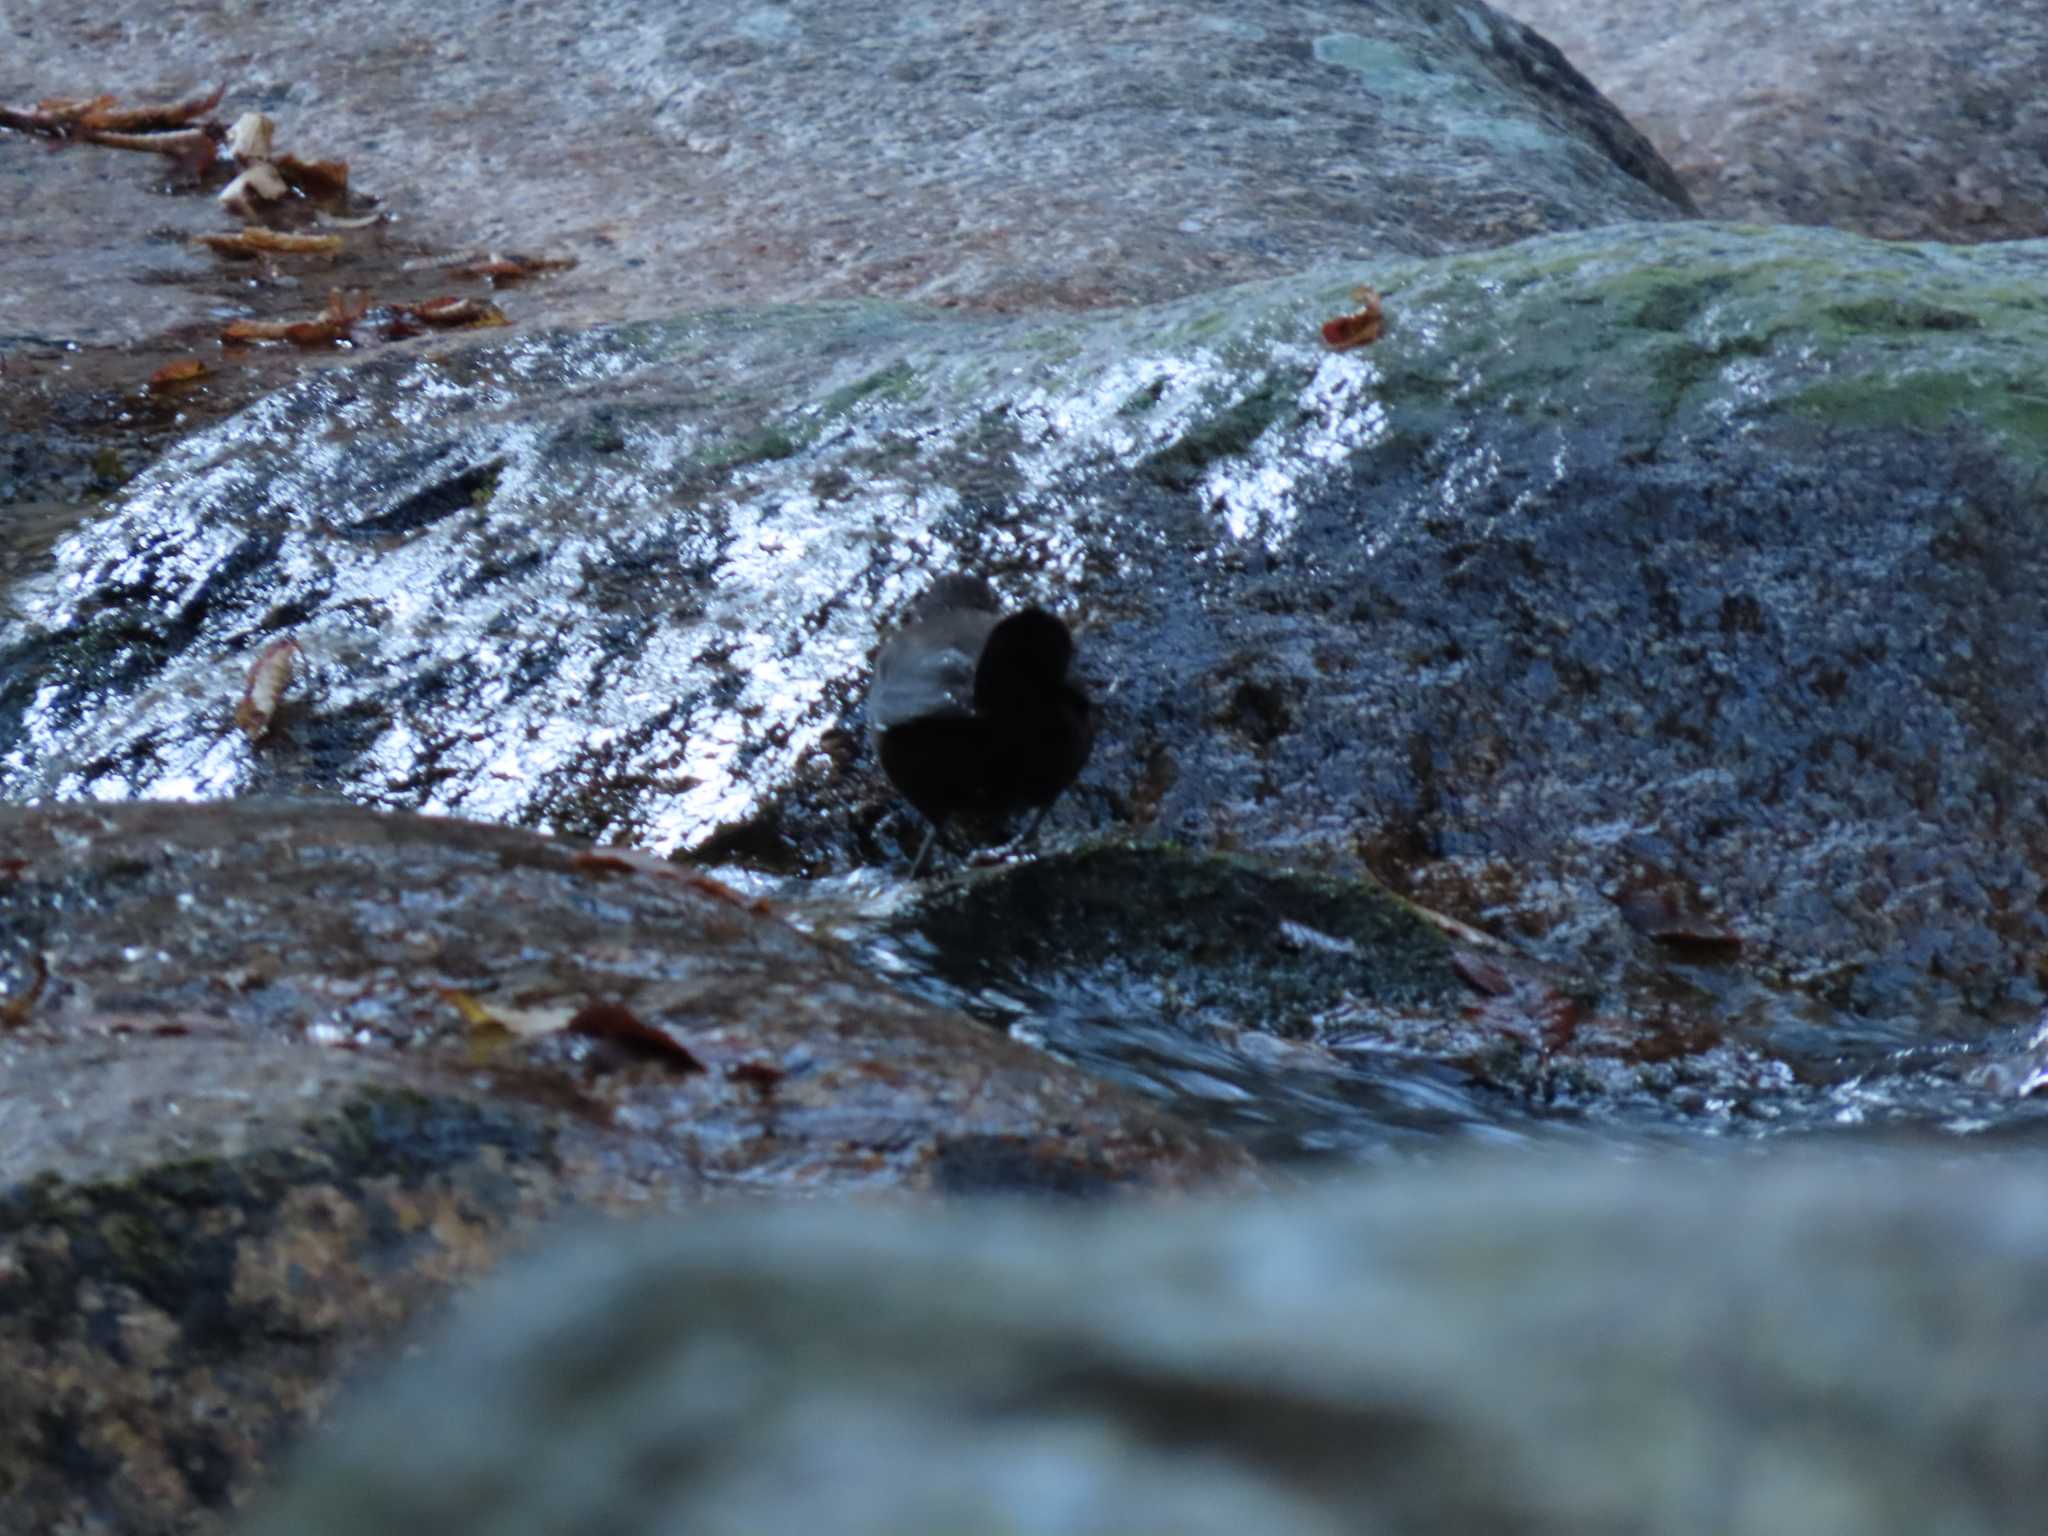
(764,446)
(1678,366)
(483,485)
(1673,303)
(1930,401)
(897,384)
(1902,314)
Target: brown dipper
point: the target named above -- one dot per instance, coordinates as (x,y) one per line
(973,713)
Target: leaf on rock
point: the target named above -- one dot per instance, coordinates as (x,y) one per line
(1359,329)
(598,1021)
(257,241)
(17,1001)
(610,1021)
(101,114)
(509,269)
(323,179)
(176,374)
(454,313)
(335,325)
(269,676)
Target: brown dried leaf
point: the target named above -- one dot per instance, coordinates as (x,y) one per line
(269,676)
(73,109)
(598,1021)
(509,269)
(176,374)
(194,149)
(1359,329)
(255,240)
(451,313)
(16,1006)
(335,325)
(100,114)
(314,178)
(610,1021)
(639,860)
(30,121)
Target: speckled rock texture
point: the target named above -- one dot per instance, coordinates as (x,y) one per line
(1904,119)
(1680,552)
(250,1130)
(1043,153)
(1666,1348)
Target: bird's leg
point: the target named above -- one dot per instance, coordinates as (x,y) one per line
(1030,834)
(931,839)
(1026,838)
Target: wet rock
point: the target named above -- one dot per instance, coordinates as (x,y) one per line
(1064,155)
(254,1124)
(1303,1014)
(1679,553)
(1905,119)
(1015,156)
(1842,1346)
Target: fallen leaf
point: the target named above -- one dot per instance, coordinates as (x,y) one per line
(73,109)
(509,269)
(15,1007)
(177,373)
(194,148)
(314,178)
(268,677)
(474,1013)
(256,240)
(449,313)
(1359,329)
(335,325)
(639,860)
(100,113)
(597,1021)
(610,1021)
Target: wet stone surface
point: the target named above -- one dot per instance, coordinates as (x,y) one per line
(1608,706)
(1905,119)
(253,1129)
(1689,558)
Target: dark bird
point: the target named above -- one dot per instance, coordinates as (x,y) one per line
(973,713)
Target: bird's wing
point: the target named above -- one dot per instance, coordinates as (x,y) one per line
(915,679)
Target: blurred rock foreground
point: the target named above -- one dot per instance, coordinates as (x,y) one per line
(1842,1347)
(1660,602)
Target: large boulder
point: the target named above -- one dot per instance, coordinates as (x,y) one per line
(1667,1347)
(278,1078)
(1905,119)
(1647,585)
